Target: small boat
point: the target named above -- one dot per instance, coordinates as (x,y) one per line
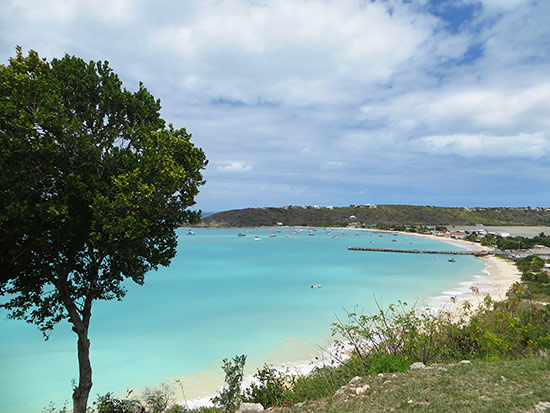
(335,237)
(190,232)
(272,236)
(256,238)
(316,285)
(393,240)
(311,234)
(241,234)
(452,260)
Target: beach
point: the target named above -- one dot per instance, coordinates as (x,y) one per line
(499,275)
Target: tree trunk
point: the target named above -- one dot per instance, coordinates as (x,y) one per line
(81,393)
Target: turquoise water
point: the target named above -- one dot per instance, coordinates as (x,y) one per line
(224,295)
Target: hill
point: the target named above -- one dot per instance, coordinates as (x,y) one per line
(381,215)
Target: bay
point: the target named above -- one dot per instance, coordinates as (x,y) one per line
(225,295)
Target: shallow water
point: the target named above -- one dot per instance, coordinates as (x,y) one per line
(225,295)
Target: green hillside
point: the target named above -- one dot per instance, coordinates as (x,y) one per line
(381,215)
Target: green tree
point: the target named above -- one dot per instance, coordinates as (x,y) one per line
(93,186)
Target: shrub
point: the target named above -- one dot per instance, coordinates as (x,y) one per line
(268,389)
(157,400)
(229,397)
(397,330)
(388,363)
(110,404)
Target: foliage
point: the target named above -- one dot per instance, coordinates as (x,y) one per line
(530,264)
(489,240)
(110,404)
(268,389)
(322,382)
(93,186)
(384,216)
(536,280)
(229,398)
(388,363)
(158,399)
(397,330)
(176,408)
(514,243)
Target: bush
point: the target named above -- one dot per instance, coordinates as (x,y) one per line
(110,404)
(229,398)
(157,400)
(388,363)
(397,330)
(268,389)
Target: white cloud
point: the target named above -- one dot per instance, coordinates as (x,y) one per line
(493,109)
(297,52)
(236,166)
(322,94)
(522,145)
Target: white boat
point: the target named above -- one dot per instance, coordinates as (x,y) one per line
(256,238)
(316,285)
(190,232)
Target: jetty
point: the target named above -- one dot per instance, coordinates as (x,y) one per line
(475,253)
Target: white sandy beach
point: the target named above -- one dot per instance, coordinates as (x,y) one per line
(499,276)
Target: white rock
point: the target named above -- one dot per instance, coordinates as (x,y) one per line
(356,379)
(362,389)
(465,362)
(341,391)
(542,407)
(250,408)
(417,366)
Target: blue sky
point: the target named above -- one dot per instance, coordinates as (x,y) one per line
(326,102)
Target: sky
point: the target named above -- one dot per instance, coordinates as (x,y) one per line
(329,102)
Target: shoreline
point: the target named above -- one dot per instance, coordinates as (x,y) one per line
(498,276)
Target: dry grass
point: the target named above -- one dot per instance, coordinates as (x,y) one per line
(511,386)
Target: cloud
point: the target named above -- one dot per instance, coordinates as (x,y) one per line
(295,52)
(322,98)
(236,166)
(522,145)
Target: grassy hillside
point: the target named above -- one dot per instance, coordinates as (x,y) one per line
(382,215)
(509,386)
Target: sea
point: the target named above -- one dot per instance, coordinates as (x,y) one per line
(225,295)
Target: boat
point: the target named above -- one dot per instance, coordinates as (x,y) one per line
(272,236)
(256,238)
(393,240)
(316,285)
(241,234)
(452,260)
(190,232)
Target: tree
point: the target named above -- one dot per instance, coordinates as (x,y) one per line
(93,186)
